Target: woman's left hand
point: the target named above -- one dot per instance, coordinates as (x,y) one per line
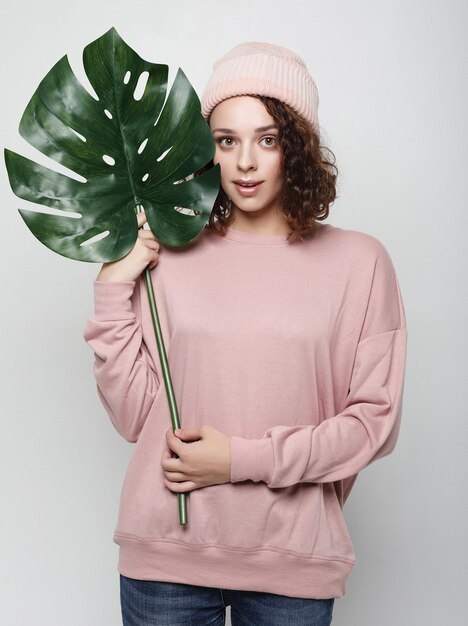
(204,459)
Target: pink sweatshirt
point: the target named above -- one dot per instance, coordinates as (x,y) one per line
(297,352)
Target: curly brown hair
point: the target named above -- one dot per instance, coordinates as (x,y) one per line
(309,175)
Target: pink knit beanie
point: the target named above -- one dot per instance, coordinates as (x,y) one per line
(264,69)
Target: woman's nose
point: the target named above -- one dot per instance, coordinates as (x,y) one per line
(246,158)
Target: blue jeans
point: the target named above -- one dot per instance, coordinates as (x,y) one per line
(148,603)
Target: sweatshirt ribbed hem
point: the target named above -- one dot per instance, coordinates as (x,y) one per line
(263,569)
(251,459)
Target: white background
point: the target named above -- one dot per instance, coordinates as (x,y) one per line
(392,79)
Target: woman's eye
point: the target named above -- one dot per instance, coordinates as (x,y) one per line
(226,142)
(221,139)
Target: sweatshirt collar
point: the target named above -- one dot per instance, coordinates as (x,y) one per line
(255,238)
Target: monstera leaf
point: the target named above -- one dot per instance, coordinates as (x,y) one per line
(128,152)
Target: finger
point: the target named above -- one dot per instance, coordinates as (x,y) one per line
(166,454)
(147,236)
(169,463)
(190,434)
(154,245)
(175,477)
(180,487)
(165,457)
(174,444)
(154,260)
(141,218)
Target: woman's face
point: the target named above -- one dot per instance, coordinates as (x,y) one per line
(248,151)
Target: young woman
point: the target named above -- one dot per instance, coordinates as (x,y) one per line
(286,339)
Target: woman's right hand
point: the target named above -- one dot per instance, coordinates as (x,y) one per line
(144,253)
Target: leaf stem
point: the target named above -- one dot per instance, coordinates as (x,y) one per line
(182,497)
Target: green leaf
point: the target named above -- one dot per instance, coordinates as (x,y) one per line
(127,152)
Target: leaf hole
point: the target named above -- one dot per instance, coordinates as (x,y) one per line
(142,146)
(77,134)
(164,154)
(145,177)
(127,77)
(108,159)
(95,238)
(108,113)
(185,210)
(141,86)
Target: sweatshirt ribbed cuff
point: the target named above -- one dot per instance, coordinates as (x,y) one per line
(112,299)
(251,459)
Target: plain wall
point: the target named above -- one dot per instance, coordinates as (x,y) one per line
(392,79)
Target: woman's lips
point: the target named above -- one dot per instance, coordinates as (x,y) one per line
(248,191)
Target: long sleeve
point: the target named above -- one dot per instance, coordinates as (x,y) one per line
(366,429)
(126,377)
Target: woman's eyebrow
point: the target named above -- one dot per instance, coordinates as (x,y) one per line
(262,129)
